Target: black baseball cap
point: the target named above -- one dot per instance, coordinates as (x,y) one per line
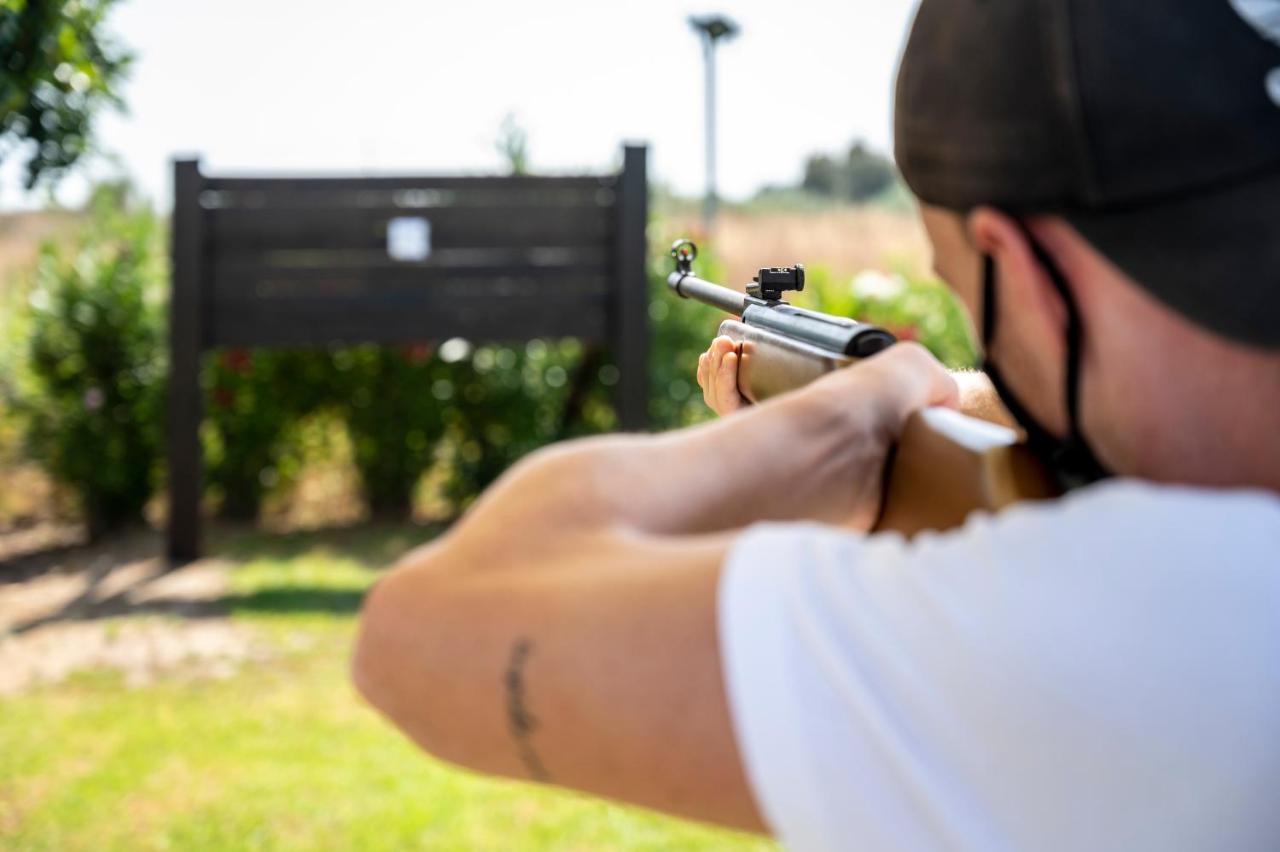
(1153,127)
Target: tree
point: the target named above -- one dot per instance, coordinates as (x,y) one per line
(513,145)
(867,173)
(58,69)
(860,176)
(822,176)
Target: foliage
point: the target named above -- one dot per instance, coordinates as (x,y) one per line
(859,176)
(506,401)
(460,411)
(912,309)
(93,397)
(388,399)
(513,145)
(253,398)
(680,331)
(59,70)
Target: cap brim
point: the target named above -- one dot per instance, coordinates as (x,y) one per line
(1213,257)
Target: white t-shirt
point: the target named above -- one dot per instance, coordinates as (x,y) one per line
(1102,672)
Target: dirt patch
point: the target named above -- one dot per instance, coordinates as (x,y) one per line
(118,610)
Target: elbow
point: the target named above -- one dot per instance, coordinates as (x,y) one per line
(401,663)
(371,660)
(396,637)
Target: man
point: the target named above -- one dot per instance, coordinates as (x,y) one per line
(1101,184)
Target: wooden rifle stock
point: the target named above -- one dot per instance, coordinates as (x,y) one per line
(945,465)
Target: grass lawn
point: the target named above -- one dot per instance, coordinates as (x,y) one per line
(279,754)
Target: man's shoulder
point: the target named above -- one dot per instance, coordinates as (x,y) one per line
(1100,650)
(1123,522)
(1164,500)
(1140,513)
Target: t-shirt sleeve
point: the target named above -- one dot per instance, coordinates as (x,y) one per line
(1103,674)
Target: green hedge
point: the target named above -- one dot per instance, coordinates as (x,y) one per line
(89,390)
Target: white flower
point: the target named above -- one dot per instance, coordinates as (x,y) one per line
(870,284)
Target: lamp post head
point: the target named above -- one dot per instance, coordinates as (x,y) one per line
(714,27)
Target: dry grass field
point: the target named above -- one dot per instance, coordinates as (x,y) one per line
(21,235)
(843,240)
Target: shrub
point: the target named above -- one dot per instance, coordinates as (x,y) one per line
(680,331)
(97,367)
(92,399)
(393,418)
(253,398)
(507,400)
(912,309)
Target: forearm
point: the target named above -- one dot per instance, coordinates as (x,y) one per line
(778,461)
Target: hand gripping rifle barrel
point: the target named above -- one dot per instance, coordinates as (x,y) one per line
(769,326)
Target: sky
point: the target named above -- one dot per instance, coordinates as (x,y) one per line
(422,86)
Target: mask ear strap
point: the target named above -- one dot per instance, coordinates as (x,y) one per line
(988,300)
(1074,329)
(1069,459)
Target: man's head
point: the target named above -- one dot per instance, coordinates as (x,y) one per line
(1137,153)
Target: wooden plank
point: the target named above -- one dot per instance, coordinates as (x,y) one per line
(319,322)
(185,344)
(630,326)
(342,292)
(407,193)
(345,183)
(238,274)
(240,230)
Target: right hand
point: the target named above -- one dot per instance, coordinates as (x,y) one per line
(718,377)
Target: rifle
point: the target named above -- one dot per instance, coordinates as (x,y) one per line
(945,465)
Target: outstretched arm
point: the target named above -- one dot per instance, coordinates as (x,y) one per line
(565,630)
(718,378)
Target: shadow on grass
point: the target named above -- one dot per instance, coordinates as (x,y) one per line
(295,600)
(125,576)
(375,544)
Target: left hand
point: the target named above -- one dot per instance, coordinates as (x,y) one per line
(718,377)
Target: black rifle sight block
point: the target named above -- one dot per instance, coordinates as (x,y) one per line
(770,283)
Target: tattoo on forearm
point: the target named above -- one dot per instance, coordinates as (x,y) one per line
(522,723)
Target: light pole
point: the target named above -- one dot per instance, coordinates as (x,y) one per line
(712,29)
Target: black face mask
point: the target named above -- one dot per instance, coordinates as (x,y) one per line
(1070,460)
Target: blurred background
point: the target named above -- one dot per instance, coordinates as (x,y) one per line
(144,705)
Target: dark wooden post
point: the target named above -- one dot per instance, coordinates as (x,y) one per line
(185,345)
(631,298)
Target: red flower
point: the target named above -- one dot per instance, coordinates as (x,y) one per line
(417,352)
(238,360)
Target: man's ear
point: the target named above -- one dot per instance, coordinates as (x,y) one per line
(1026,289)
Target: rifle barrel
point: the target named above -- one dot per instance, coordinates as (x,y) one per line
(689,286)
(834,334)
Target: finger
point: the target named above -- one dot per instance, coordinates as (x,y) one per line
(702,371)
(724,344)
(708,380)
(715,355)
(727,383)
